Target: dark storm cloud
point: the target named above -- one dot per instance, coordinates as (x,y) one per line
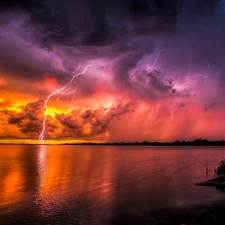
(154,85)
(180,105)
(85,27)
(93,22)
(13,4)
(209,106)
(28,120)
(160,85)
(59,34)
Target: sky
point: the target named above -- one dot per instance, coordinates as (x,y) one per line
(112,70)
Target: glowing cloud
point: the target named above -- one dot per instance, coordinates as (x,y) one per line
(65,90)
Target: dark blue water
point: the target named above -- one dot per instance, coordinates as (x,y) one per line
(98,184)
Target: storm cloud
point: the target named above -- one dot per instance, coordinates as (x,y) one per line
(146,52)
(79,124)
(44,36)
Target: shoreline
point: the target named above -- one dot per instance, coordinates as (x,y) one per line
(209,214)
(212,213)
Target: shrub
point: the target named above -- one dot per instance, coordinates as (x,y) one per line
(221,169)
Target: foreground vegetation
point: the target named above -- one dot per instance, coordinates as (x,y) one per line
(221,169)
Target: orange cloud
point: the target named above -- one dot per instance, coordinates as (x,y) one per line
(78,124)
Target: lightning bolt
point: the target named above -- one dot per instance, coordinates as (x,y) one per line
(201,72)
(155,60)
(72,80)
(199,75)
(147,68)
(65,90)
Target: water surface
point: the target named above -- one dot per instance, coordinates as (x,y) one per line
(97,184)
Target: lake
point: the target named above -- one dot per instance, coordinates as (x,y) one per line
(71,184)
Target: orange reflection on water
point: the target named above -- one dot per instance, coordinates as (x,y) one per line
(12,181)
(52,185)
(69,176)
(11,188)
(100,183)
